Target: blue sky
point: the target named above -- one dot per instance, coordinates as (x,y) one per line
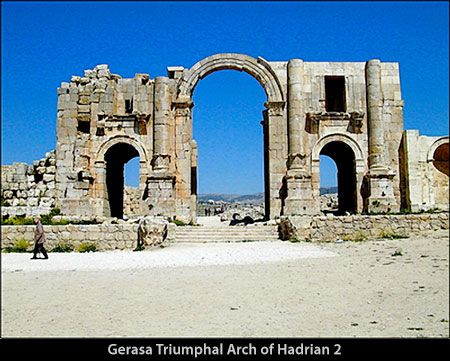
(45,43)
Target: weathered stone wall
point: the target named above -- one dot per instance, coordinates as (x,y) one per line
(131,198)
(29,190)
(425,179)
(105,236)
(98,112)
(330,228)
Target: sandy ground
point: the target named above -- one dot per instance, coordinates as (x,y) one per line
(300,290)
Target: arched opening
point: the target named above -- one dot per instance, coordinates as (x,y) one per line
(229,136)
(328,185)
(344,158)
(441,158)
(131,195)
(116,157)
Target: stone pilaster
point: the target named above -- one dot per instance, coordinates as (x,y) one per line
(161,157)
(380,177)
(296,116)
(185,209)
(299,199)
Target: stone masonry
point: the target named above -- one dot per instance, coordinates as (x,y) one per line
(349,111)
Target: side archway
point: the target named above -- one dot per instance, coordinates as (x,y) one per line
(438,154)
(110,160)
(100,154)
(349,159)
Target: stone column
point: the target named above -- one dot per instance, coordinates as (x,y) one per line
(299,200)
(375,115)
(160,180)
(161,114)
(296,116)
(185,210)
(380,177)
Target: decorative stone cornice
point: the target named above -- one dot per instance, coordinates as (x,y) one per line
(275,108)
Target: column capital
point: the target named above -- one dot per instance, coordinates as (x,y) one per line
(275,108)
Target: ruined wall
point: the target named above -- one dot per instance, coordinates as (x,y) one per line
(131,201)
(97,112)
(29,190)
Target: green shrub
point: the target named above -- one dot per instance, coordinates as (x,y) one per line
(62,247)
(357,236)
(19,246)
(17,221)
(177,222)
(4,203)
(47,218)
(87,247)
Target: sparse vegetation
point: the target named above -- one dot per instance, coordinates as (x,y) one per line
(385,234)
(87,247)
(177,222)
(357,236)
(17,221)
(19,246)
(4,203)
(62,247)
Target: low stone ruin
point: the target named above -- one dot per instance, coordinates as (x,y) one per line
(29,190)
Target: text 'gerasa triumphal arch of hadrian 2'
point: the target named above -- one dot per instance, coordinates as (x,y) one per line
(349,111)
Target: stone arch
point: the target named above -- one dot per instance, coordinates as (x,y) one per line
(349,159)
(337,137)
(104,147)
(109,186)
(438,154)
(257,68)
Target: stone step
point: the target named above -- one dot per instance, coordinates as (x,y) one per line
(226,234)
(212,231)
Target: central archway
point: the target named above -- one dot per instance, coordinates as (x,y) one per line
(257,68)
(275,151)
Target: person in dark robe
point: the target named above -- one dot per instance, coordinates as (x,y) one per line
(39,239)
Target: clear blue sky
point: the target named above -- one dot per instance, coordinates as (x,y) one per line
(45,43)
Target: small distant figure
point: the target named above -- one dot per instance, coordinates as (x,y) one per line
(39,238)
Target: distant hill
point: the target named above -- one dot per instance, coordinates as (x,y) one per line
(256,198)
(328,190)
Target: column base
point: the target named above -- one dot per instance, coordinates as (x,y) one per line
(381,199)
(160,197)
(300,200)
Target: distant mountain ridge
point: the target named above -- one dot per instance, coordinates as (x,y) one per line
(232,198)
(255,198)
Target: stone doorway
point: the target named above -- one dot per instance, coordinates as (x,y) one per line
(229,142)
(115,158)
(344,158)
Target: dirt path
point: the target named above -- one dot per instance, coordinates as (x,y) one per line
(391,288)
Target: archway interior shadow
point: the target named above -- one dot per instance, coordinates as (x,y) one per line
(441,157)
(344,158)
(116,157)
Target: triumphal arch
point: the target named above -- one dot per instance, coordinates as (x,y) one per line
(349,111)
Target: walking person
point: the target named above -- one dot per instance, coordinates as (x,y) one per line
(39,238)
